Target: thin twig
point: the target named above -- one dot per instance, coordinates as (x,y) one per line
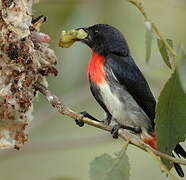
(124,134)
(139,6)
(68,98)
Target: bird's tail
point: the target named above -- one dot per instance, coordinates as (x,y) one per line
(180,152)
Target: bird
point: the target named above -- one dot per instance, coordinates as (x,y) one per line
(119,86)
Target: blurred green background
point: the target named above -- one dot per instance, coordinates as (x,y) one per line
(57,148)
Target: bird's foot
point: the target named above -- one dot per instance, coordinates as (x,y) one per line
(87,115)
(79,123)
(116,128)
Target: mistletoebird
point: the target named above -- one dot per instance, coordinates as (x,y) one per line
(118,85)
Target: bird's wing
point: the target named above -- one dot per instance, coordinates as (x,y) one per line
(131,78)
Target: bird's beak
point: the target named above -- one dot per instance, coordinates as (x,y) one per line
(67,38)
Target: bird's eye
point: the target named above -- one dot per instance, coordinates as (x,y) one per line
(96,32)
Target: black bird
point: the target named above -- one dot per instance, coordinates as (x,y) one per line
(119,86)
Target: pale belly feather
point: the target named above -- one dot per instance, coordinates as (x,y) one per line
(123,107)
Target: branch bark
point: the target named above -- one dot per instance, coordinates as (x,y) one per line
(124,134)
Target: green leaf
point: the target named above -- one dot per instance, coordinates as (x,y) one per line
(163,51)
(171,116)
(148,40)
(106,167)
(182,69)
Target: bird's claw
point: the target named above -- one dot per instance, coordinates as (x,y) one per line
(116,128)
(137,130)
(79,123)
(86,115)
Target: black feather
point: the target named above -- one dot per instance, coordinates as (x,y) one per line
(129,75)
(178,168)
(180,151)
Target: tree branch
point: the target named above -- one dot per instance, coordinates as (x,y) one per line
(124,134)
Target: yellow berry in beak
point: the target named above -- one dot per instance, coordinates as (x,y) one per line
(67,38)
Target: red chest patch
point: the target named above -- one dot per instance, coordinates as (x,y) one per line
(95,70)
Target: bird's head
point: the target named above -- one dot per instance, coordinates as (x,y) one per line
(102,39)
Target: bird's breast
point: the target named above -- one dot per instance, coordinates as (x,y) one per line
(95,69)
(112,101)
